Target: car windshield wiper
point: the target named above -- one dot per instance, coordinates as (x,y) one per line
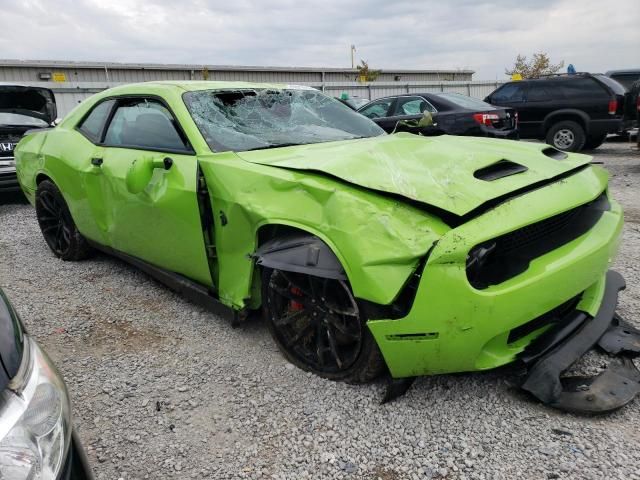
(277,145)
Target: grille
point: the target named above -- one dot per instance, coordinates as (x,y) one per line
(6,151)
(532,234)
(504,257)
(8,142)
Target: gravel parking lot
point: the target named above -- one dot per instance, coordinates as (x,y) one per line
(163,389)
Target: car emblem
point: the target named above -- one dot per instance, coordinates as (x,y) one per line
(7,147)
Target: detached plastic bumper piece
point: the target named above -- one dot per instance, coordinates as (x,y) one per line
(562,345)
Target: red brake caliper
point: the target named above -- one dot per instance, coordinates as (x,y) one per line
(293,305)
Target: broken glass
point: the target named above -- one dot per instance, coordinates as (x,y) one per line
(252,119)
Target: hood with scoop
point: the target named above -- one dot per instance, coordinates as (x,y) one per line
(454,174)
(36,102)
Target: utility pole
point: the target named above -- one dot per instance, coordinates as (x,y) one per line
(353,61)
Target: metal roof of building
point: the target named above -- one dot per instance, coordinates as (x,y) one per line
(188,67)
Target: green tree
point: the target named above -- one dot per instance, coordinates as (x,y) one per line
(205,73)
(366,74)
(539,65)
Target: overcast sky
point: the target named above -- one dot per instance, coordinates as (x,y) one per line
(594,35)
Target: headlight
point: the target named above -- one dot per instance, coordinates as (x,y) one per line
(35,427)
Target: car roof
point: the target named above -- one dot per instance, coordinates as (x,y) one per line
(622,71)
(412,94)
(168,88)
(560,76)
(195,85)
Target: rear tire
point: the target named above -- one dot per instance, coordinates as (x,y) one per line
(57,226)
(318,326)
(567,136)
(594,142)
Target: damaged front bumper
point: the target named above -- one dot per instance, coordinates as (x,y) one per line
(544,361)
(551,354)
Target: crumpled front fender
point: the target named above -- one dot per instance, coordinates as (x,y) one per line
(378,240)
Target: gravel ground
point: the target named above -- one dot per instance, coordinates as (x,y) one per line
(163,389)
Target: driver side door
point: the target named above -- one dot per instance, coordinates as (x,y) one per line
(380,111)
(161,224)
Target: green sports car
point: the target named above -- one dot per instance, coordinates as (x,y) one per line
(366,252)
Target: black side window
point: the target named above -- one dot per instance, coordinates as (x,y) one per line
(413,106)
(93,123)
(582,87)
(146,124)
(543,91)
(511,92)
(377,109)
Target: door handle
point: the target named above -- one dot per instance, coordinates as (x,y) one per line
(96,162)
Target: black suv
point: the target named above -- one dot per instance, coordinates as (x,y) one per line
(569,111)
(632,105)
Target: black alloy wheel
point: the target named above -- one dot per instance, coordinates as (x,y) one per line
(57,226)
(317,324)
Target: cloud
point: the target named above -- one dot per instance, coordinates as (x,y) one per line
(485,37)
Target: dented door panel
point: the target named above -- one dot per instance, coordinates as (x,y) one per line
(160,225)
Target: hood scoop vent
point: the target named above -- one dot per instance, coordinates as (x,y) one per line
(501,169)
(554,153)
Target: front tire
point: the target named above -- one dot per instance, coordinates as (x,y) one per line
(318,326)
(567,136)
(57,226)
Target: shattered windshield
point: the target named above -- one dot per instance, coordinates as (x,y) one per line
(253,119)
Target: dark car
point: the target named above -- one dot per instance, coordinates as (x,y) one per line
(22,109)
(569,111)
(629,79)
(626,78)
(632,105)
(453,114)
(37,441)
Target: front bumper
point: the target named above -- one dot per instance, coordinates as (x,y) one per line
(453,327)
(8,177)
(561,346)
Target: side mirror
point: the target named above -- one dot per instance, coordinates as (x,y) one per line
(141,170)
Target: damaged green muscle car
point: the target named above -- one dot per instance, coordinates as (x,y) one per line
(366,251)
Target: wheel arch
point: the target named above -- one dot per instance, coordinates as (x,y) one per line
(301,249)
(41,177)
(566,114)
